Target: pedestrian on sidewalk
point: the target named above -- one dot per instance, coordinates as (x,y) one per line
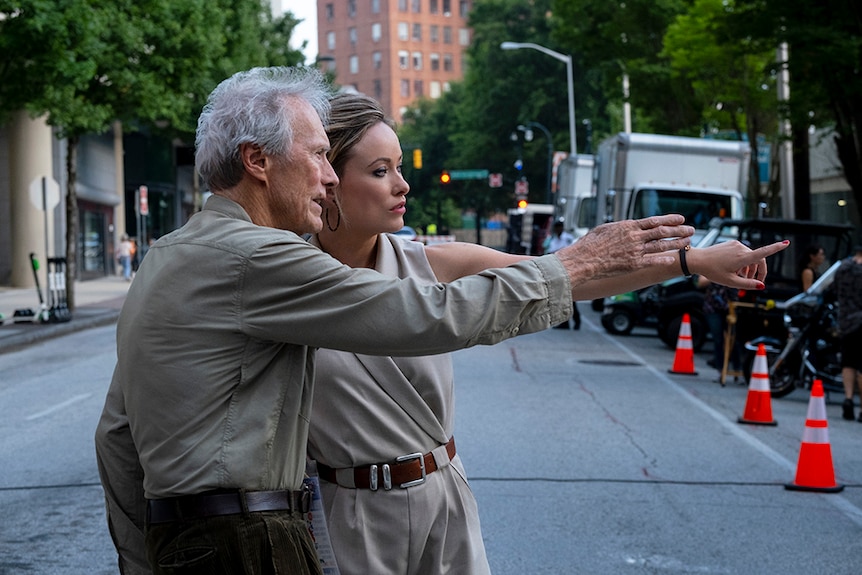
(203,433)
(125,253)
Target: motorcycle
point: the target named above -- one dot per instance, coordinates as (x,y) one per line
(811,349)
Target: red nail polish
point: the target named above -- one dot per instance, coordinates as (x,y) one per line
(760,285)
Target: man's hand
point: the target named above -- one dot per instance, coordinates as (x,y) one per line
(619,248)
(733,264)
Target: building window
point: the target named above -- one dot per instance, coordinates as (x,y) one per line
(354,64)
(435,61)
(403,31)
(433,7)
(375,6)
(378,89)
(418,89)
(403,57)
(417,6)
(375,32)
(405,88)
(353,36)
(417,32)
(447,7)
(447,34)
(330,41)
(464,36)
(434,89)
(330,12)
(417,60)
(351,8)
(402,5)
(463,8)
(377,58)
(447,62)
(434,33)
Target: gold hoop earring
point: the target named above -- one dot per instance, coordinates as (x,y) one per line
(337,222)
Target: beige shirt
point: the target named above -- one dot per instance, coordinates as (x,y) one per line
(355,419)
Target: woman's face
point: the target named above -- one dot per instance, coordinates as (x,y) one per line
(372,190)
(818,258)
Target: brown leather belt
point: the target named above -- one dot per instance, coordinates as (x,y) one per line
(212,504)
(405,471)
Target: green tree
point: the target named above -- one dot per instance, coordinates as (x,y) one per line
(730,76)
(502,89)
(610,37)
(151,63)
(825,65)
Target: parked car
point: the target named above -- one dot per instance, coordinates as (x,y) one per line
(622,313)
(680,295)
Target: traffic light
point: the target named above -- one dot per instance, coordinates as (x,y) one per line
(417,159)
(522,203)
(445,178)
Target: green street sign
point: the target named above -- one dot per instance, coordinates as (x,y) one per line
(468,174)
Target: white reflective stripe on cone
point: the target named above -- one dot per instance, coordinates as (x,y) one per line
(817,409)
(815,432)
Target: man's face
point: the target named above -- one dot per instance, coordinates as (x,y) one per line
(300,182)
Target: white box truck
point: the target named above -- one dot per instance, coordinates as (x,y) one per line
(576,193)
(640,175)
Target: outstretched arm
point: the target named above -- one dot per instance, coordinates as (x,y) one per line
(623,256)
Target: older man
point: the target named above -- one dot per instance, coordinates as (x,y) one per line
(201,444)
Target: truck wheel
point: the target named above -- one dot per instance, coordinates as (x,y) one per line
(618,322)
(670,335)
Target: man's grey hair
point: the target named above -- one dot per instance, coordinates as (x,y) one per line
(253,107)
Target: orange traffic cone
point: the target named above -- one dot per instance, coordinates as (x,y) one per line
(758,406)
(814,471)
(683,360)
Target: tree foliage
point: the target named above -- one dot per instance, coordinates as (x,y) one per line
(145,63)
(825,65)
(731,77)
(610,37)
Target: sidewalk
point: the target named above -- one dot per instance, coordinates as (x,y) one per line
(97,303)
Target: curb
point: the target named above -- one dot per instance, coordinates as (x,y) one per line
(85,319)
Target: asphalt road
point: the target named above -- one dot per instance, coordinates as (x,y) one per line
(585,455)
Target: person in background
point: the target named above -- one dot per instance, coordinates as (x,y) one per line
(716,300)
(812,260)
(201,445)
(125,252)
(848,293)
(559,239)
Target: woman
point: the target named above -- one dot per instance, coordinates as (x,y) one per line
(371,410)
(395,493)
(813,258)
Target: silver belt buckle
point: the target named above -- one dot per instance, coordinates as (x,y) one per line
(421,459)
(373,478)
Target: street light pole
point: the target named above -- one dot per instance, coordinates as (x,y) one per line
(550,153)
(573,143)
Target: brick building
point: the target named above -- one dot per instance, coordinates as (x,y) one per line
(394,50)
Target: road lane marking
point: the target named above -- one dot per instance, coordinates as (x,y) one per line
(850,510)
(59,406)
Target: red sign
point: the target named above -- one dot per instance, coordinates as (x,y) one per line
(143,201)
(521,187)
(495,180)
